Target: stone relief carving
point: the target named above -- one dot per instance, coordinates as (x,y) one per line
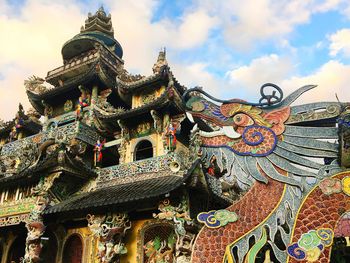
(110,231)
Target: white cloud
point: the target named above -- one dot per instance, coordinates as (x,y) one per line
(141,38)
(197,74)
(247,23)
(332,78)
(31,44)
(270,68)
(340,43)
(36,33)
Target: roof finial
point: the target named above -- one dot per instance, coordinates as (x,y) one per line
(161,61)
(99,22)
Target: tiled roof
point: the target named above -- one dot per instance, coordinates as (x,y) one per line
(119,194)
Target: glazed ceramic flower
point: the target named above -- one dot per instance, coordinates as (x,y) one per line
(313,254)
(330,186)
(346,185)
(309,240)
(225,216)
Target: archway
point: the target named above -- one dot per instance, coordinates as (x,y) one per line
(143,150)
(17,249)
(73,250)
(49,251)
(1,250)
(341,243)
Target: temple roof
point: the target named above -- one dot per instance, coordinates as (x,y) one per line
(123,194)
(29,122)
(98,22)
(119,195)
(160,102)
(53,162)
(98,30)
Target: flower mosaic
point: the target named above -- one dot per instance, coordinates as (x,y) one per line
(218,218)
(346,185)
(311,244)
(330,186)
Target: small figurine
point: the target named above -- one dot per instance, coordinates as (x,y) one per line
(18,122)
(171,137)
(98,152)
(84,99)
(13,134)
(78,115)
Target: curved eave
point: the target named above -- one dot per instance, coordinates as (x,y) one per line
(84,36)
(160,102)
(49,163)
(28,125)
(36,99)
(127,89)
(121,196)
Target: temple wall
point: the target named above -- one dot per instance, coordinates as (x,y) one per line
(144,98)
(131,242)
(88,241)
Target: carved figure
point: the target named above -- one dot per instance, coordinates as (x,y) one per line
(34,84)
(170,135)
(103,105)
(179,215)
(160,251)
(84,99)
(111,231)
(98,152)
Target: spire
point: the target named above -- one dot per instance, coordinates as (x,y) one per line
(98,22)
(161,61)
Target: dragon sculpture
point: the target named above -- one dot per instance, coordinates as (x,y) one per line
(282,163)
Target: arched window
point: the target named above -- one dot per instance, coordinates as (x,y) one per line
(49,251)
(73,250)
(341,242)
(143,150)
(17,249)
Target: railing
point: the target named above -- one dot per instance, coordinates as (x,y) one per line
(63,133)
(88,58)
(170,162)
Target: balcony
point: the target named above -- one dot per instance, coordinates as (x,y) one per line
(159,166)
(85,59)
(63,133)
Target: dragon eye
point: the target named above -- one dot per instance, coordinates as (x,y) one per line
(242,119)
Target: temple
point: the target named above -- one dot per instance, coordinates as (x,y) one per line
(108,166)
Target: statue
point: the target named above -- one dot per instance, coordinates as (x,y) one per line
(170,135)
(35,84)
(98,152)
(84,99)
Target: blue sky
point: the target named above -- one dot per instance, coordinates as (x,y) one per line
(229,47)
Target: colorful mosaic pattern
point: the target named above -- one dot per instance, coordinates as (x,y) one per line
(254,207)
(343,226)
(320,211)
(311,244)
(217,218)
(250,145)
(151,165)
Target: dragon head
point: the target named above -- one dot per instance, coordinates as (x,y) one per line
(248,141)
(244,129)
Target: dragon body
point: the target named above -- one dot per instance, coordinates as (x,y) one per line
(278,158)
